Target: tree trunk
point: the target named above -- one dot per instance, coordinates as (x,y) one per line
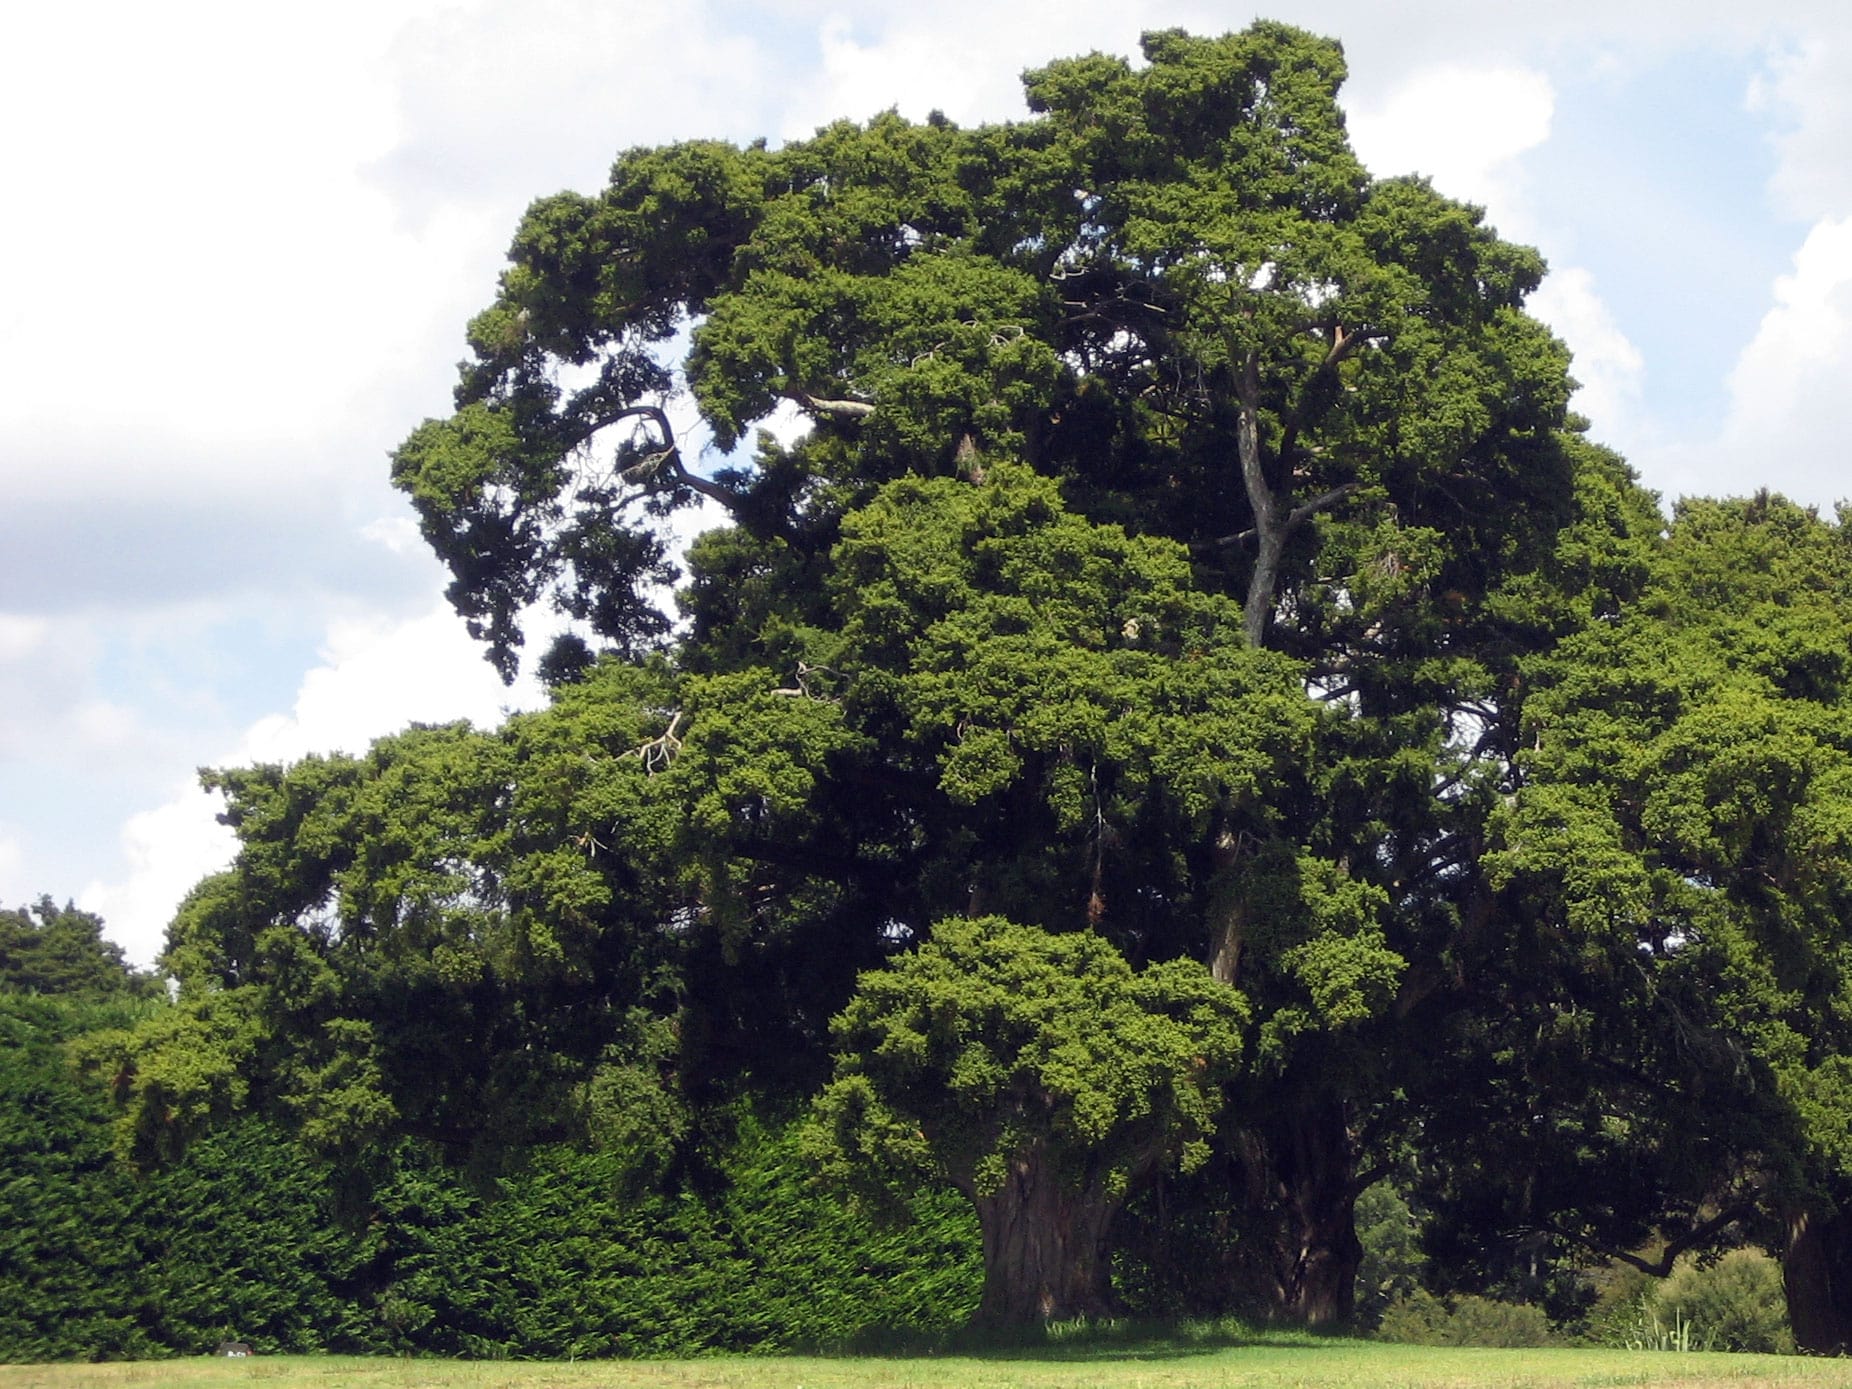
(1302,1183)
(1228,909)
(1816,1270)
(1270,527)
(1045,1256)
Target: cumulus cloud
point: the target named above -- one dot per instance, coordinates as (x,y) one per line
(1802,343)
(1608,366)
(916,68)
(925,58)
(167,850)
(377,675)
(203,179)
(1807,85)
(502,102)
(1463,127)
(1468,129)
(1789,411)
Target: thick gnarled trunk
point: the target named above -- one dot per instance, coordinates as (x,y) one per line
(1302,1185)
(1045,1255)
(1816,1270)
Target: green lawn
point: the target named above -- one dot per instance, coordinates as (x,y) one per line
(1334,1363)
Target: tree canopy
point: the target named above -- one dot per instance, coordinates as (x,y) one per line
(48,949)
(1156,557)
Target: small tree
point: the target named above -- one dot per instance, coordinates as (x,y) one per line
(1042,1077)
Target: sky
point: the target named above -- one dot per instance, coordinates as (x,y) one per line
(239,244)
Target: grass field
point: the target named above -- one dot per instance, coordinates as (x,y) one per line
(1315,1365)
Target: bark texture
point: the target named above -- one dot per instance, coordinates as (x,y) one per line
(1302,1187)
(1816,1270)
(1045,1255)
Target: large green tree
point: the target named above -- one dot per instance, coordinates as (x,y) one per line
(1173,511)
(1175,291)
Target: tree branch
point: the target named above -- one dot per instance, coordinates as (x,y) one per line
(840,409)
(1268,526)
(668,457)
(1306,510)
(1662,1266)
(1222,542)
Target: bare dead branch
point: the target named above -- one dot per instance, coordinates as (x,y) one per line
(659,753)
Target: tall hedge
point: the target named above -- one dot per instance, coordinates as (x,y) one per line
(243,1238)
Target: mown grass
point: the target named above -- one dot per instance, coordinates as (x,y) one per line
(1207,1360)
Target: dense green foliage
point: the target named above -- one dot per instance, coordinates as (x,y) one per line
(246,1235)
(1673,873)
(1736,1303)
(1189,730)
(1733,1304)
(1039,1075)
(1422,1319)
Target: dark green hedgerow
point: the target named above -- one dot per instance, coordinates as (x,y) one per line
(243,1238)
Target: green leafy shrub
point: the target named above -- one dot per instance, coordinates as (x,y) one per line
(238,1241)
(1736,1303)
(66,1260)
(1420,1318)
(235,1241)
(571,1260)
(241,1237)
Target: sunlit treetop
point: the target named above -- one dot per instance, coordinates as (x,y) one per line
(1174,287)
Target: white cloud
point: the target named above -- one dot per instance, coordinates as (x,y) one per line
(168,850)
(398,534)
(1607,364)
(1789,410)
(202,188)
(915,69)
(505,101)
(378,674)
(21,636)
(1809,83)
(1801,345)
(963,57)
(1463,127)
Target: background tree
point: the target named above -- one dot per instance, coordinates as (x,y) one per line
(47,949)
(1673,874)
